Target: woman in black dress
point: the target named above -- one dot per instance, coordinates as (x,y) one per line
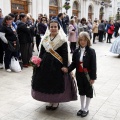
(50,83)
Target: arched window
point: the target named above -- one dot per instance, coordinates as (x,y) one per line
(75,6)
(75,9)
(53,8)
(101,13)
(90,10)
(53,3)
(18,6)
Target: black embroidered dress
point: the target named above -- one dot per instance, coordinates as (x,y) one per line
(49,83)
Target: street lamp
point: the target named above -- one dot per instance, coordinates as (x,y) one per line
(67,5)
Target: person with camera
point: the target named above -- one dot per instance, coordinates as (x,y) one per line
(72,35)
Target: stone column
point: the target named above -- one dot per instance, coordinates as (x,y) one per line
(30,6)
(6,7)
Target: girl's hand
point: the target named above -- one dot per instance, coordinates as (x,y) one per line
(64,69)
(92,82)
(72,75)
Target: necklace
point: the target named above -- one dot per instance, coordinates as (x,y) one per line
(53,37)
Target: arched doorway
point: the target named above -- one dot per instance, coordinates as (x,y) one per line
(101,13)
(90,9)
(19,6)
(53,8)
(75,9)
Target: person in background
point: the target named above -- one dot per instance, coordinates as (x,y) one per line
(90,27)
(42,26)
(117,26)
(83,25)
(72,35)
(110,31)
(59,18)
(31,26)
(10,36)
(104,35)
(25,40)
(17,20)
(66,21)
(1,43)
(84,60)
(13,23)
(101,30)
(37,35)
(115,48)
(95,30)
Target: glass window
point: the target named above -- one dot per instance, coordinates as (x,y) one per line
(53,2)
(75,6)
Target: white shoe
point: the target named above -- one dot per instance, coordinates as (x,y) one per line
(1,66)
(8,70)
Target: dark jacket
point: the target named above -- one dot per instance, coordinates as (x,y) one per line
(117,25)
(89,61)
(9,34)
(62,24)
(42,28)
(101,27)
(24,33)
(1,20)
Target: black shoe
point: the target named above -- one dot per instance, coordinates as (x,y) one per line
(54,108)
(48,107)
(84,113)
(79,113)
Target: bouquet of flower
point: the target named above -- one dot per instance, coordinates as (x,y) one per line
(35,61)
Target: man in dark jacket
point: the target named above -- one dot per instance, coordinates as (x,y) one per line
(1,47)
(25,40)
(101,29)
(116,28)
(60,19)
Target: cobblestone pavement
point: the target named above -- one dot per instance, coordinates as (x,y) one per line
(16,102)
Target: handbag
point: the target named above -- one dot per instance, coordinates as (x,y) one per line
(13,48)
(14,65)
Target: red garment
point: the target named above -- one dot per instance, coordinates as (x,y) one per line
(111,29)
(80,68)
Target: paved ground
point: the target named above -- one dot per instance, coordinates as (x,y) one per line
(16,102)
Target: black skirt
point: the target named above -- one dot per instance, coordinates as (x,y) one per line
(48,78)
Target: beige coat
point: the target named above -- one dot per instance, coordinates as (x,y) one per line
(95,28)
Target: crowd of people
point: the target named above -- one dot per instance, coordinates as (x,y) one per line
(52,81)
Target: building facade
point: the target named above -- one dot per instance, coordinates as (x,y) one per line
(115,9)
(82,8)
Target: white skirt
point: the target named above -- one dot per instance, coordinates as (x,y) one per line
(115,48)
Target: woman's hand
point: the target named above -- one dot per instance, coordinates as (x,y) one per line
(64,69)
(92,82)
(14,43)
